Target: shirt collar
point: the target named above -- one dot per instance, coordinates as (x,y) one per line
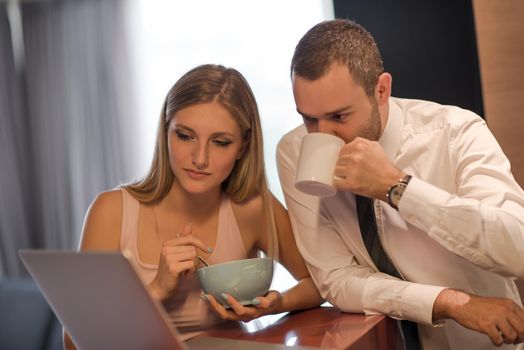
(392,135)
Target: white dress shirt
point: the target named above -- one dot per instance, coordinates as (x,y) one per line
(460,223)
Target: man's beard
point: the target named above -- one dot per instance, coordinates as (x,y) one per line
(372,130)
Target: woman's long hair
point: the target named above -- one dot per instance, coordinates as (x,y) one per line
(226,86)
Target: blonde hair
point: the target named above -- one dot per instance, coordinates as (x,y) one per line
(205,84)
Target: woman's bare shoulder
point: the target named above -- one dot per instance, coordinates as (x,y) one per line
(253,208)
(103,222)
(107,206)
(249,209)
(109,198)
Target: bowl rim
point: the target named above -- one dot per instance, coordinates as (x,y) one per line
(232,262)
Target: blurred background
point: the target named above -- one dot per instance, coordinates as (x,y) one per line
(82,83)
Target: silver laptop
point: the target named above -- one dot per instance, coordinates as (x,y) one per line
(102,303)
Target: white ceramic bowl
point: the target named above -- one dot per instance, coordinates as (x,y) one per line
(243,279)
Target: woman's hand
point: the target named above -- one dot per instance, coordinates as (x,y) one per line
(178,257)
(269,304)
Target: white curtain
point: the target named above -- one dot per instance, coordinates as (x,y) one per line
(79,123)
(15,224)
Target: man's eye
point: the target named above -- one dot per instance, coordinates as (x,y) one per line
(222,143)
(182,136)
(309,120)
(337,117)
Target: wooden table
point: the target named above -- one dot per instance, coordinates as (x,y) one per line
(323,327)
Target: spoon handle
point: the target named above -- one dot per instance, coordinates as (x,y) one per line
(203,261)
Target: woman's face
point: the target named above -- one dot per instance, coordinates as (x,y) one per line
(204,143)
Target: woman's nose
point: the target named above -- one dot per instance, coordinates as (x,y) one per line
(200,156)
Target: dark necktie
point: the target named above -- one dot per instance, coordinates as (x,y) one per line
(369,232)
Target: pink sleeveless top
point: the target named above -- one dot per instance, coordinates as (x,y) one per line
(188,312)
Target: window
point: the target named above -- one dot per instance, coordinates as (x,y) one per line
(255,37)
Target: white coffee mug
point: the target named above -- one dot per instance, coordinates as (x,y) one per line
(316,164)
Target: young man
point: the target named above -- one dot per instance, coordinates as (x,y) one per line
(447,215)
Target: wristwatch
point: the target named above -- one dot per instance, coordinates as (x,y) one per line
(396,191)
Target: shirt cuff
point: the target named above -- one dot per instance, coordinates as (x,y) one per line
(400,299)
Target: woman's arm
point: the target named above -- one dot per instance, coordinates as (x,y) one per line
(101,231)
(304,294)
(103,222)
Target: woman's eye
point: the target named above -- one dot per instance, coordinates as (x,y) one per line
(222,143)
(182,136)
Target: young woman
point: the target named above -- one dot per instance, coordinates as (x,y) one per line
(206,195)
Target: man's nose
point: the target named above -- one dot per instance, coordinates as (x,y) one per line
(325,127)
(200,155)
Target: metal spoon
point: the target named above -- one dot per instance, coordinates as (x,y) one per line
(203,261)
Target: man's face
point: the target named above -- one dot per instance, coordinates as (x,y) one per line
(335,104)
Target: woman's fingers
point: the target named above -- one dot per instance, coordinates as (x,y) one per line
(237,308)
(218,308)
(187,238)
(188,229)
(181,267)
(172,257)
(237,312)
(267,301)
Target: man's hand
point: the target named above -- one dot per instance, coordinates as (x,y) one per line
(364,168)
(499,318)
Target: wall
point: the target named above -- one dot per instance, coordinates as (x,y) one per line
(428,46)
(500,35)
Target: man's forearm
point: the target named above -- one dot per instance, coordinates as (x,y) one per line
(499,318)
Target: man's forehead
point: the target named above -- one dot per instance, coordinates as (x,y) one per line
(327,95)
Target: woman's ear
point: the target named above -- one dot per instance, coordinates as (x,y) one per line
(243,148)
(245,144)
(383,88)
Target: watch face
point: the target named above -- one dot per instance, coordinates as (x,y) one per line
(396,193)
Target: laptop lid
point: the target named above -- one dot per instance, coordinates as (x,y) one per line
(102,303)
(100,300)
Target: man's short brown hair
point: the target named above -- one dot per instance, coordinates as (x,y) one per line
(338,41)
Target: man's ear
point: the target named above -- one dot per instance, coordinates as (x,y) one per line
(383,88)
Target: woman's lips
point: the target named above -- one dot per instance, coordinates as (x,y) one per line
(196,175)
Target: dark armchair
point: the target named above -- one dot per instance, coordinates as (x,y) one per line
(26,320)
